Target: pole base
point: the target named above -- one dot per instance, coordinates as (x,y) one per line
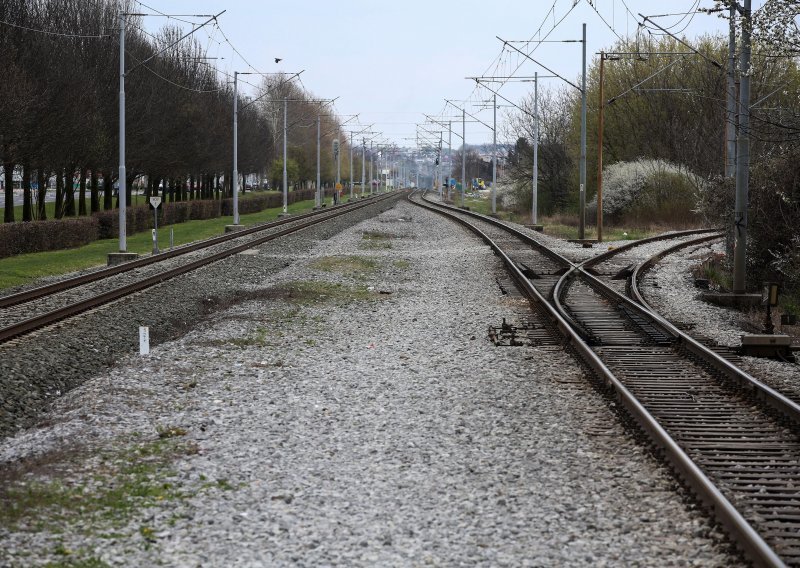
(115,258)
(234,228)
(537,228)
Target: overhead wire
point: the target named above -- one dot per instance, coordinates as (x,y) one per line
(58,34)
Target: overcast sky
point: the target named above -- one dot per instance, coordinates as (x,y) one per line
(392,61)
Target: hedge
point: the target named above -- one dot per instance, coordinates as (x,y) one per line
(38,236)
(140,217)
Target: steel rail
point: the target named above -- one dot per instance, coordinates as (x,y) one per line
(602,257)
(762,392)
(745,535)
(514,231)
(28,325)
(55,287)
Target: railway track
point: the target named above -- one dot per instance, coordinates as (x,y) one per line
(734,441)
(32,309)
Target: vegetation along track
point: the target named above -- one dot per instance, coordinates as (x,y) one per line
(734,441)
(32,309)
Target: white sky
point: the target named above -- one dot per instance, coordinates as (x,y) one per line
(392,61)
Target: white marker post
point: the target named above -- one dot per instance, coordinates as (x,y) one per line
(155,202)
(144,340)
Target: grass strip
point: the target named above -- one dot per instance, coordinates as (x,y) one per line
(23,269)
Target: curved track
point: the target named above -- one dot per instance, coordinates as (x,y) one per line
(733,440)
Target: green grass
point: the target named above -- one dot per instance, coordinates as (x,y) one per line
(307,292)
(352,265)
(22,269)
(556,228)
(259,339)
(123,483)
(609,233)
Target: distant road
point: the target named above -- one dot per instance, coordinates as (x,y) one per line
(50,196)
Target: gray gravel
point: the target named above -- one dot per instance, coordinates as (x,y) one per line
(367,424)
(42,366)
(679,301)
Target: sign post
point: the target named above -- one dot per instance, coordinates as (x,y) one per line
(155,202)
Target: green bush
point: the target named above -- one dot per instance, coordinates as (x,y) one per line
(648,191)
(37,236)
(773,245)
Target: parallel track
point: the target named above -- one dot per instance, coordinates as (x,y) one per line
(39,307)
(733,440)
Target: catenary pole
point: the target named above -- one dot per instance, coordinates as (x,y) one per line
(319,190)
(463,154)
(535,194)
(351,166)
(363,164)
(285,180)
(338,158)
(494,157)
(730,114)
(742,158)
(449,155)
(122,191)
(235,181)
(601,112)
(582,167)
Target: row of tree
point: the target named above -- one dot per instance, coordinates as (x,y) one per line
(59,111)
(670,107)
(665,100)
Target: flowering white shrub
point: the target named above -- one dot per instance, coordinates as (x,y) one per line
(647,185)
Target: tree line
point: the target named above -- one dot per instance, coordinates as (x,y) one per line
(59,112)
(665,99)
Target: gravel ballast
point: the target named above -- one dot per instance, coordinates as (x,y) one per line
(347,409)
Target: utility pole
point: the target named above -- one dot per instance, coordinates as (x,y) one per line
(319,189)
(371,158)
(742,158)
(285,180)
(235,181)
(582,168)
(363,164)
(123,182)
(351,165)
(535,194)
(494,157)
(122,191)
(463,154)
(601,113)
(449,155)
(338,162)
(439,166)
(730,114)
